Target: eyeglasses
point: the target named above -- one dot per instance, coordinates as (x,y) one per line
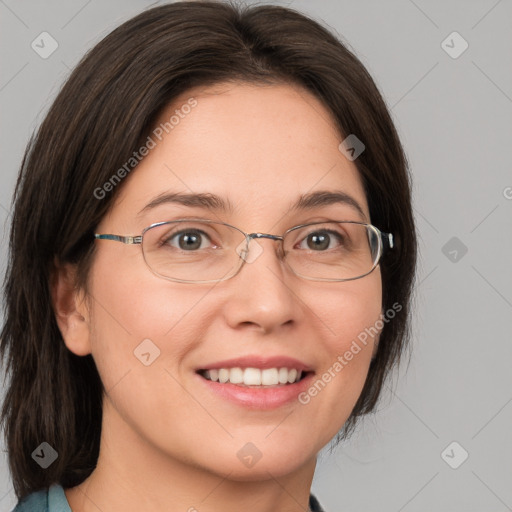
(204,251)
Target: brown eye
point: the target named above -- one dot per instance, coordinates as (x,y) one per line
(321,240)
(187,239)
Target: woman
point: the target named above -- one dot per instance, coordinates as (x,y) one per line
(211,263)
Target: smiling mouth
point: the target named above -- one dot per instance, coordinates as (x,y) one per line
(255,377)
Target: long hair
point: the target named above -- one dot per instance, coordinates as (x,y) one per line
(103,113)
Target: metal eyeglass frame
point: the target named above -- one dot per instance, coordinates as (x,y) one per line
(137,240)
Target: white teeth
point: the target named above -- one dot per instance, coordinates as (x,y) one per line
(236,375)
(223,375)
(292,375)
(254,376)
(270,377)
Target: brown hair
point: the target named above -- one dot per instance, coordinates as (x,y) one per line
(103,113)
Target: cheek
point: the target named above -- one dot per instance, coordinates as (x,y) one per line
(143,329)
(135,314)
(351,313)
(350,322)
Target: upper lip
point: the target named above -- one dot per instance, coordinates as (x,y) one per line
(260,362)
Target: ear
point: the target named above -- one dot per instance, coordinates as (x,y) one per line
(70,309)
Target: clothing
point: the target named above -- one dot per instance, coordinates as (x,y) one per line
(54,500)
(47,500)
(314,506)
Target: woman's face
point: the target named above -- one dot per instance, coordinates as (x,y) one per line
(260,148)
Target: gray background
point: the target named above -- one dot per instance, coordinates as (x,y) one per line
(453,115)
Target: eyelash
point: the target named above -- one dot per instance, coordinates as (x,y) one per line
(204,234)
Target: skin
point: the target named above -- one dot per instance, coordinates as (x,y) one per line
(167,442)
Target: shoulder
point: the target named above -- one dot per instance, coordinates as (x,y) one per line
(52,499)
(34,502)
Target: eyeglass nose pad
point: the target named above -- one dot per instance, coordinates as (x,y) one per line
(249,250)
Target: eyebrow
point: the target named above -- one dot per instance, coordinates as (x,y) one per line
(212,202)
(206,201)
(326,198)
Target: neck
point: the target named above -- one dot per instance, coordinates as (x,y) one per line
(132,475)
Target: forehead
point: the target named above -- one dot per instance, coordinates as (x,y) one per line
(259,147)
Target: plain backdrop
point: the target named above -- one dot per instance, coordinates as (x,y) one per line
(452,105)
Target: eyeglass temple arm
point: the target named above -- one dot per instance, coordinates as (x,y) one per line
(120,238)
(388,239)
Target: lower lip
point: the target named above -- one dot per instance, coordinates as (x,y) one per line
(259,398)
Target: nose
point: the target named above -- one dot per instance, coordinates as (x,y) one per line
(262,294)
